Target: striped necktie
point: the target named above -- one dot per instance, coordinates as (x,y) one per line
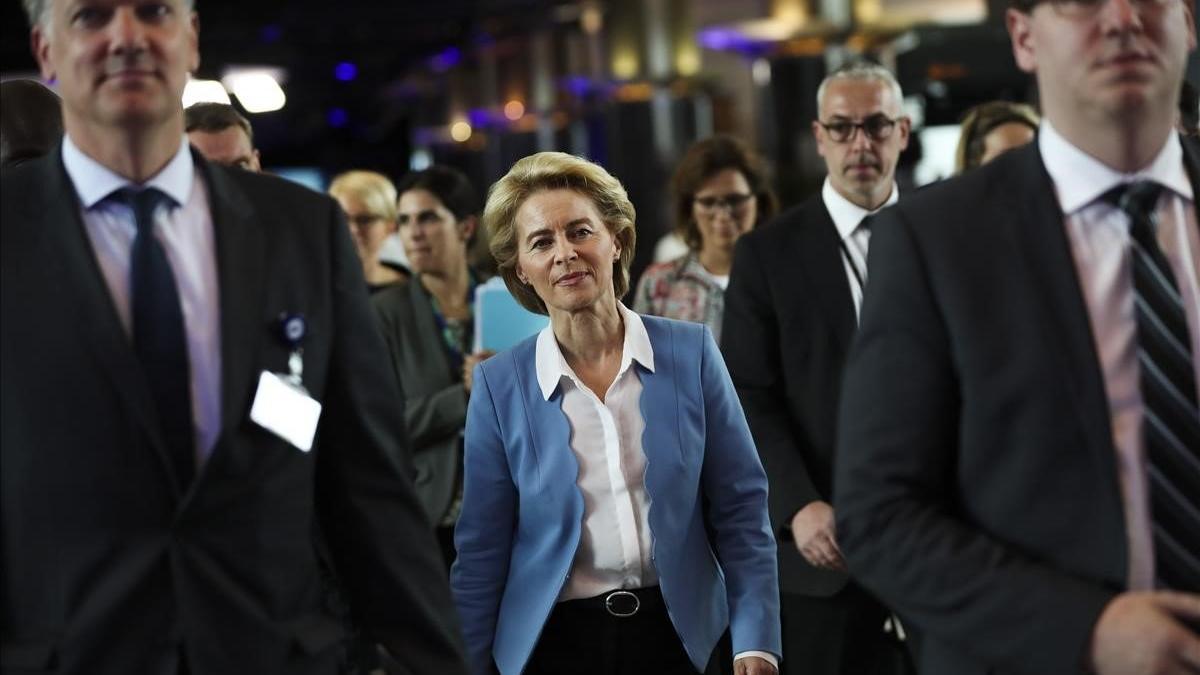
(1171,416)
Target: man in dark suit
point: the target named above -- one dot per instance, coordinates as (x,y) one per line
(1017,443)
(790,314)
(168,327)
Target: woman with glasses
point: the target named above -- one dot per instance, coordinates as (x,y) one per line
(369,200)
(719,192)
(428,325)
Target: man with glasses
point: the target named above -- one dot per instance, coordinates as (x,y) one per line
(790,314)
(1019,439)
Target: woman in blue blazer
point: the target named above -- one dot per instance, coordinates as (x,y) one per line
(615,511)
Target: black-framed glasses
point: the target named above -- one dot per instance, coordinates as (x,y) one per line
(734,201)
(1087,8)
(877,127)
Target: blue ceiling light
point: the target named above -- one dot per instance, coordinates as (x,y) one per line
(345,71)
(337,117)
(446,59)
(270,33)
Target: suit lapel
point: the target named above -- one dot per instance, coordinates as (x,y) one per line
(1040,233)
(70,250)
(660,410)
(821,253)
(1191,162)
(425,331)
(241,273)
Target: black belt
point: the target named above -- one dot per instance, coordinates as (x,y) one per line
(621,603)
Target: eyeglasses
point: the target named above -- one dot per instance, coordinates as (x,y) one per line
(877,127)
(734,201)
(361,221)
(1088,8)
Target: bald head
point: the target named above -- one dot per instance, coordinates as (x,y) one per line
(30,121)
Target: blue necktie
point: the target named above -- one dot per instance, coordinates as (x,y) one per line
(1171,422)
(159,339)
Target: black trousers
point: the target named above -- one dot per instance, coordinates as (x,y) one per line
(840,635)
(581,638)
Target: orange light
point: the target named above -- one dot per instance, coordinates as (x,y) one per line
(514,110)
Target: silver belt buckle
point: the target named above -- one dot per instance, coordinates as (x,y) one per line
(618,604)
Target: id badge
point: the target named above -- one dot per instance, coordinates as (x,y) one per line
(285,410)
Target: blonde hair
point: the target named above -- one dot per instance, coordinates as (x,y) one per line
(374,190)
(554,171)
(981,121)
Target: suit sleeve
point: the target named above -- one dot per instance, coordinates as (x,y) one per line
(736,489)
(382,546)
(429,417)
(484,534)
(896,487)
(752,349)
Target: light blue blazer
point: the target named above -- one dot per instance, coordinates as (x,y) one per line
(523,512)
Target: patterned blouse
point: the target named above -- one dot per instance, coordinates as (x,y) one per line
(682,289)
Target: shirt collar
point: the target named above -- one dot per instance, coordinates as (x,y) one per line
(1081,179)
(552,366)
(94,181)
(846,214)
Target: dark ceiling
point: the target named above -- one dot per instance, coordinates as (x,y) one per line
(309,38)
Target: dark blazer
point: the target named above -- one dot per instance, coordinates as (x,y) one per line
(435,406)
(977,489)
(789,320)
(107,563)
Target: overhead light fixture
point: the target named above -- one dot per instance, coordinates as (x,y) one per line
(257,89)
(204,91)
(514,110)
(460,131)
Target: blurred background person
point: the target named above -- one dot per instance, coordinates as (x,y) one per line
(992,128)
(369,200)
(719,192)
(429,327)
(222,135)
(557,546)
(30,121)
(790,317)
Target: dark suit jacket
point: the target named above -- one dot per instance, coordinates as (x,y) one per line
(789,320)
(976,488)
(107,564)
(435,406)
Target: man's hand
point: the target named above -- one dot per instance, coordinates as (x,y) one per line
(813,530)
(753,665)
(469,364)
(1146,633)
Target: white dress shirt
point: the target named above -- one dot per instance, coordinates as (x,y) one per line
(847,218)
(1100,245)
(185,231)
(615,545)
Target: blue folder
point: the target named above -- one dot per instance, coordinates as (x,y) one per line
(500,322)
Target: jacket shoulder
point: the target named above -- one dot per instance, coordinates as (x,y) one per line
(991,190)
(785,226)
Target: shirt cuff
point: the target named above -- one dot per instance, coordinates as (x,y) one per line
(768,656)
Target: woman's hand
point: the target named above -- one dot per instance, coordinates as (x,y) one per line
(469,364)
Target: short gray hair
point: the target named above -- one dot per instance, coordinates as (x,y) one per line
(38,11)
(862,71)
